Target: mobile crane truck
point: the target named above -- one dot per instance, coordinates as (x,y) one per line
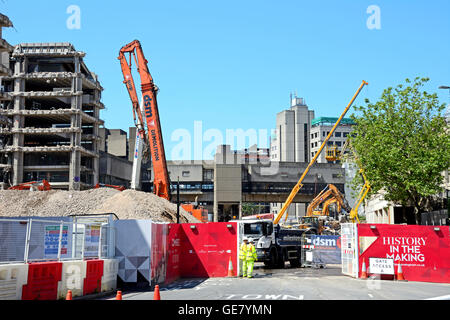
(276,243)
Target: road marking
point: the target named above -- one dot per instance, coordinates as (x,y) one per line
(446,297)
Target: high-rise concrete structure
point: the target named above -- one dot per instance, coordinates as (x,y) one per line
(293,126)
(55,107)
(5,100)
(291,143)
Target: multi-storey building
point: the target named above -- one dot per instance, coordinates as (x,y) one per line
(293,126)
(291,143)
(55,108)
(5,98)
(321,127)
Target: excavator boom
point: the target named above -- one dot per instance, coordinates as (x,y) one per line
(327,196)
(154,138)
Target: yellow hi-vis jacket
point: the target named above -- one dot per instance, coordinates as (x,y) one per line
(251,252)
(243,251)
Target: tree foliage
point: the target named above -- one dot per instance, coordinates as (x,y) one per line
(403,144)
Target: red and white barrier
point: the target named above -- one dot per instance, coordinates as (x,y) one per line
(52,280)
(12,279)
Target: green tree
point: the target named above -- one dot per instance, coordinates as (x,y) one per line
(403,144)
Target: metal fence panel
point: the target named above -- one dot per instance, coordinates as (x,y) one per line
(349,249)
(13,235)
(36,239)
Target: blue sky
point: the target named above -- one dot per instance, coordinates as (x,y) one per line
(232,64)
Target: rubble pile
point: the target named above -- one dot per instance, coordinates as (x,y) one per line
(127,204)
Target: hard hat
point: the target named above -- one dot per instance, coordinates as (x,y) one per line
(250,240)
(245,239)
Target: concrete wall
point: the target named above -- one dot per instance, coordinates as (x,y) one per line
(116,142)
(186,172)
(113,166)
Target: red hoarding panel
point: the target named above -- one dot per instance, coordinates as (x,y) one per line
(43,278)
(158,252)
(175,238)
(93,281)
(207,248)
(424,253)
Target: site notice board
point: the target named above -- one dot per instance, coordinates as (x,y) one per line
(51,240)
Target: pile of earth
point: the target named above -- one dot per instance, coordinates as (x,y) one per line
(127,204)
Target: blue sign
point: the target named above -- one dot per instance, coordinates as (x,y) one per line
(327,249)
(51,241)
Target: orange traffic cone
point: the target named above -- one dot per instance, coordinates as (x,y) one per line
(119,295)
(69,295)
(230,268)
(156,295)
(364,270)
(400,276)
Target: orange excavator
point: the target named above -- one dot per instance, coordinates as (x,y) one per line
(327,196)
(153,136)
(40,185)
(102,185)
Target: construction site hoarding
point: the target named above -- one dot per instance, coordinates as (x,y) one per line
(422,251)
(207,249)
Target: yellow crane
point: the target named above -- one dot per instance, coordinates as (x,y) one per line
(334,154)
(299,184)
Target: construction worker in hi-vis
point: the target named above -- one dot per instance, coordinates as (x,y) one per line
(243,258)
(251,258)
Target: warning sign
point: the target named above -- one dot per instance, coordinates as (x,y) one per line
(381,266)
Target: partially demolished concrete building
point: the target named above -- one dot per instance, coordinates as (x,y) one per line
(53,100)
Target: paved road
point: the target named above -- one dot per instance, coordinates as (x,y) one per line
(294,284)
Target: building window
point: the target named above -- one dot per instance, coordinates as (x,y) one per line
(338,143)
(337,134)
(185,173)
(208,174)
(345,134)
(323,133)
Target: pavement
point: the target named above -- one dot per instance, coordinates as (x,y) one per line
(292,284)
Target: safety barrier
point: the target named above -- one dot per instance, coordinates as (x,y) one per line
(109,278)
(42,282)
(93,280)
(52,280)
(73,273)
(12,278)
(422,251)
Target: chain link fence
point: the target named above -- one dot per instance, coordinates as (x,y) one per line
(40,239)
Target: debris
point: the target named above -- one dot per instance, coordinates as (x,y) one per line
(127,204)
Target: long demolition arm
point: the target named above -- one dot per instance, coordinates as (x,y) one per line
(154,138)
(299,183)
